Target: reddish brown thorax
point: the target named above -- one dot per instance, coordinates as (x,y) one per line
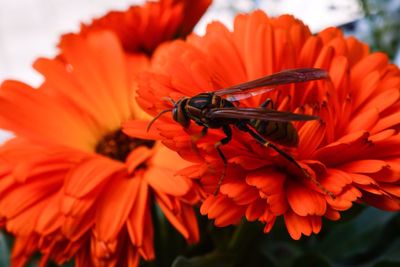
(118,145)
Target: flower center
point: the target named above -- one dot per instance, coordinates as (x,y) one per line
(118,145)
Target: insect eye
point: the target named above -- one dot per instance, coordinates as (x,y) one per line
(179,115)
(175,114)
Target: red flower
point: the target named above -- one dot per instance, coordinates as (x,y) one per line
(72,184)
(353,150)
(86,188)
(143,28)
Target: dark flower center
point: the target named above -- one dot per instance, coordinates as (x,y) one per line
(118,145)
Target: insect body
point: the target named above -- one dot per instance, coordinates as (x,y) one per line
(201,109)
(197,107)
(266,125)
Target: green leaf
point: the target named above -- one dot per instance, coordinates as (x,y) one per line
(4,251)
(392,253)
(355,236)
(282,253)
(387,264)
(391,256)
(311,260)
(210,260)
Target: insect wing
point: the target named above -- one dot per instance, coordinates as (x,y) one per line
(268,82)
(258,114)
(244,95)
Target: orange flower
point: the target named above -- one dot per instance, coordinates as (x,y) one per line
(143,28)
(353,150)
(72,184)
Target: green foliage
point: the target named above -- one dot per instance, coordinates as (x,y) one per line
(383,20)
(371,238)
(209,260)
(4,250)
(364,237)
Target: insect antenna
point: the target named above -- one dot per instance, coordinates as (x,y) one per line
(167,98)
(156,117)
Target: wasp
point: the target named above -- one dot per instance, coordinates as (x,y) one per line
(216,110)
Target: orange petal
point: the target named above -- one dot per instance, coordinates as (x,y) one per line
(133,257)
(90,175)
(268,180)
(194,171)
(116,203)
(278,204)
(175,221)
(332,214)
(137,217)
(309,51)
(230,216)
(383,101)
(269,224)
(305,201)
(89,73)
(352,143)
(161,173)
(20,105)
(168,159)
(23,196)
(311,135)
(23,248)
(17,225)
(110,57)
(74,228)
(164,180)
(336,180)
(368,64)
(231,72)
(255,210)
(240,192)
(363,121)
(383,135)
(391,189)
(365,166)
(357,50)
(184,220)
(387,122)
(223,210)
(138,129)
(137,157)
(339,74)
(49,219)
(362,179)
(367,88)
(297,225)
(248,162)
(76,207)
(146,249)
(345,200)
(324,58)
(189,215)
(381,202)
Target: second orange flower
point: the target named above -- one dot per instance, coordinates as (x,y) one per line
(353,150)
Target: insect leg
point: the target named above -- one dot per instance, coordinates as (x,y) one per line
(228,132)
(264,142)
(197,136)
(266,103)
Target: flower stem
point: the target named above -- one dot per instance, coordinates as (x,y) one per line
(244,239)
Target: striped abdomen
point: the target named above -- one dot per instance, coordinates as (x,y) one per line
(283,133)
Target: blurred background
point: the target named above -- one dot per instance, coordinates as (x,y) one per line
(31,28)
